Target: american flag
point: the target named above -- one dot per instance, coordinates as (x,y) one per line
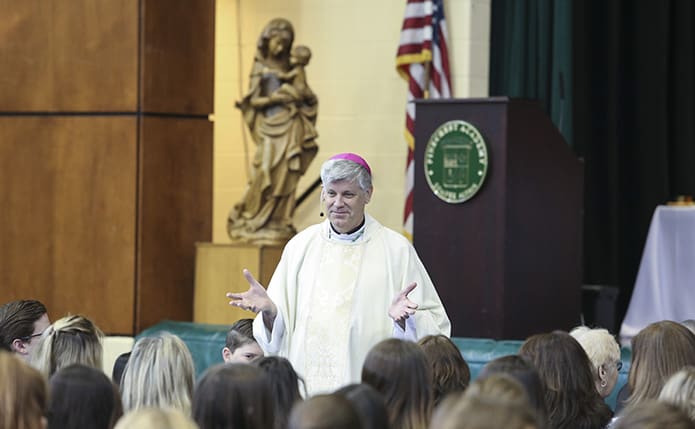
(423,62)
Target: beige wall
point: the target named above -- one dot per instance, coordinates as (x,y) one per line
(361,97)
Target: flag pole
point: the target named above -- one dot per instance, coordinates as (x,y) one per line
(426,80)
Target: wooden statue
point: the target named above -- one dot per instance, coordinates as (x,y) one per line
(280,111)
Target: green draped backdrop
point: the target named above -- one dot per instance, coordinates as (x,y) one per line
(626,107)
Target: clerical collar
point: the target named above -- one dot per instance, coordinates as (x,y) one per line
(350,236)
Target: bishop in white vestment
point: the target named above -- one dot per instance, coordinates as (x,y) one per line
(342,286)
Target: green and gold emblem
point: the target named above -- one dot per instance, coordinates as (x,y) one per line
(456,161)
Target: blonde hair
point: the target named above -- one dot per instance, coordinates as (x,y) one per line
(156,418)
(501,387)
(658,352)
(23,394)
(70,340)
(679,390)
(462,411)
(599,345)
(159,373)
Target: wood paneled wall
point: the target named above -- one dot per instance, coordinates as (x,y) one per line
(105,155)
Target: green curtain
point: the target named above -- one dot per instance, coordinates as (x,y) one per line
(531,55)
(628,71)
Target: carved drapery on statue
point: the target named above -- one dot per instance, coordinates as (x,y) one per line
(280,111)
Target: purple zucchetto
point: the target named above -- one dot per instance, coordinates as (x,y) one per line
(354,158)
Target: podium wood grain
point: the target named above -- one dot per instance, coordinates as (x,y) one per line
(219,270)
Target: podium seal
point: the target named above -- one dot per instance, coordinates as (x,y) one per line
(456,161)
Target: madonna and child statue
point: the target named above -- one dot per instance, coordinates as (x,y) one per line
(280,111)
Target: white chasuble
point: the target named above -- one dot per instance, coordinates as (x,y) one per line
(326,346)
(333,299)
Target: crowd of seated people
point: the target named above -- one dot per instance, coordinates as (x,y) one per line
(51,377)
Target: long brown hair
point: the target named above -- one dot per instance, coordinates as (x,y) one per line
(399,370)
(23,394)
(450,372)
(658,351)
(571,398)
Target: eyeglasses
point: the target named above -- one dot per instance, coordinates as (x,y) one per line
(28,338)
(619,365)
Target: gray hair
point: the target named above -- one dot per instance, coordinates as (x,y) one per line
(160,373)
(598,344)
(335,170)
(690,324)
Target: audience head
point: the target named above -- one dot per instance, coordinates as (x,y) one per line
(368,403)
(450,372)
(464,411)
(156,418)
(119,366)
(571,398)
(21,325)
(690,324)
(523,370)
(159,373)
(604,353)
(658,351)
(399,371)
(679,390)
(241,346)
(70,340)
(23,394)
(233,395)
(654,415)
(324,412)
(83,397)
(500,386)
(284,386)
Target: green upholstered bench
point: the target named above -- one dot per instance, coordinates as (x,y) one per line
(479,351)
(203,340)
(206,342)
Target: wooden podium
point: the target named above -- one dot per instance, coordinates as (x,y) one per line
(218,270)
(508,262)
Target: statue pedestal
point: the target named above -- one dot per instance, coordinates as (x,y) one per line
(218,270)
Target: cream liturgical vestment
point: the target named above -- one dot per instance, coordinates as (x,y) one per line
(333,298)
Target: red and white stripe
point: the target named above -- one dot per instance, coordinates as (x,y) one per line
(423,62)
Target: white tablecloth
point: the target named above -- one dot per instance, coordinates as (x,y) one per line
(665,285)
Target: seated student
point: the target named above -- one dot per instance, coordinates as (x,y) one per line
(495,401)
(654,415)
(523,371)
(236,395)
(658,351)
(23,394)
(284,386)
(21,325)
(119,367)
(571,397)
(159,373)
(450,372)
(499,386)
(241,346)
(83,397)
(399,370)
(690,324)
(604,353)
(679,390)
(462,411)
(325,412)
(156,418)
(368,403)
(70,340)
